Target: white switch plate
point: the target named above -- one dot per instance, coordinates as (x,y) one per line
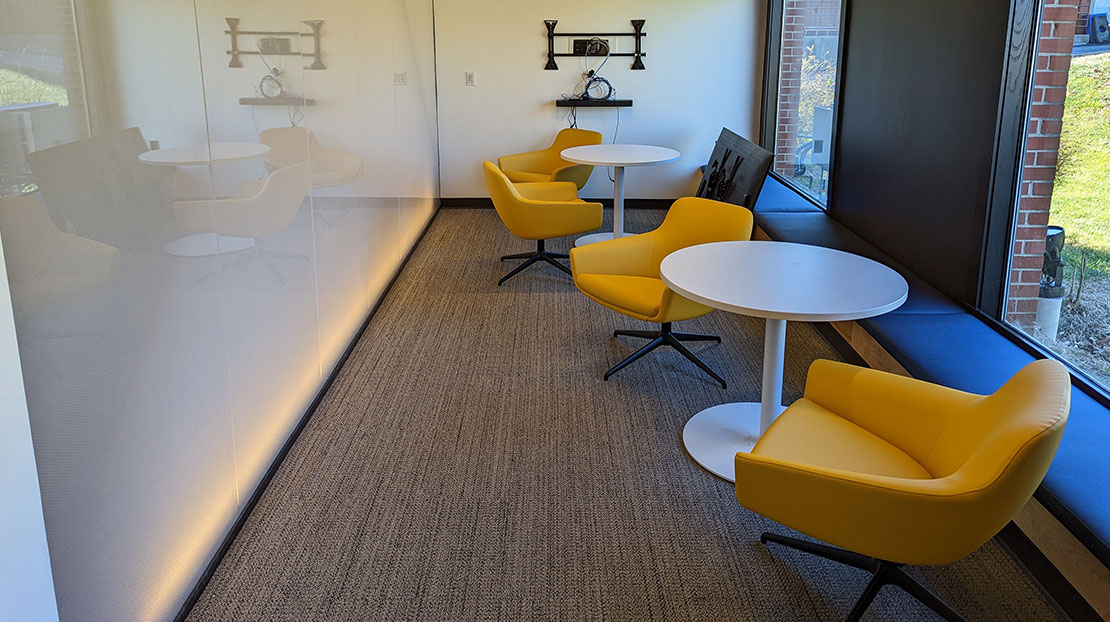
(401,79)
(471,78)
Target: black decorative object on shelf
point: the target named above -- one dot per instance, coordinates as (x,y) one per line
(593,103)
(638,33)
(279,50)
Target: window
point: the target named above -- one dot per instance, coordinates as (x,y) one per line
(1059,279)
(807,61)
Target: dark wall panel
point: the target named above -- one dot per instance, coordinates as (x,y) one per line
(915,142)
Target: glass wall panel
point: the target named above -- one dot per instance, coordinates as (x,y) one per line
(1059,282)
(192,238)
(807,85)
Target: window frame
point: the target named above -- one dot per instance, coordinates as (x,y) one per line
(769,107)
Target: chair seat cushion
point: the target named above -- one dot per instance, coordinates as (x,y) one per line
(521,177)
(810,434)
(639,294)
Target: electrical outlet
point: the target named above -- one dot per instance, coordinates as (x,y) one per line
(401,78)
(471,78)
(590,47)
(274,45)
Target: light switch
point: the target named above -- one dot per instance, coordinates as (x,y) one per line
(400,79)
(471,78)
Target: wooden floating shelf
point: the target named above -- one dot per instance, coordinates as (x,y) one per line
(593,103)
(276,101)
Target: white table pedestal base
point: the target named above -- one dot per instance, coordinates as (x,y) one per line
(714,435)
(594,238)
(206,244)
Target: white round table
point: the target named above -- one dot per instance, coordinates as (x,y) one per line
(619,157)
(777,281)
(204,154)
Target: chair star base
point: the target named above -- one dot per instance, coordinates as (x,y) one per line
(540,255)
(882,573)
(666,337)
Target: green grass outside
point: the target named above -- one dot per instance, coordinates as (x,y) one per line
(1081,197)
(16,88)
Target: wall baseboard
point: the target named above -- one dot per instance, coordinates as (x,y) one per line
(264,483)
(486,203)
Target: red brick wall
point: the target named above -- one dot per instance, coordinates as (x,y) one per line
(1043,143)
(799,16)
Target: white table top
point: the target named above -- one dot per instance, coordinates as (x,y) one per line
(199,155)
(784,281)
(620,155)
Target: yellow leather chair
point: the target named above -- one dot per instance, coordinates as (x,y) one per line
(539,211)
(898,471)
(623,274)
(548,164)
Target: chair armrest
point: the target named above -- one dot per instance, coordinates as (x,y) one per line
(909,413)
(548,191)
(630,255)
(912,521)
(578,174)
(532,161)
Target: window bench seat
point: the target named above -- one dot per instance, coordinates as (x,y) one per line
(933,338)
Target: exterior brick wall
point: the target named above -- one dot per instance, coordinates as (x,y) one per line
(799,17)
(1042,146)
(1081,19)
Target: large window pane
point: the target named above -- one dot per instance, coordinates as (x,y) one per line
(807,83)
(1059,286)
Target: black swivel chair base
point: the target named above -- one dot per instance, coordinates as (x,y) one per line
(882,573)
(666,337)
(541,254)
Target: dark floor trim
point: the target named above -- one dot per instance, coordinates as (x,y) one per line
(256,496)
(486,203)
(1045,575)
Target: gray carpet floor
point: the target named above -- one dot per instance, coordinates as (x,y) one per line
(469,463)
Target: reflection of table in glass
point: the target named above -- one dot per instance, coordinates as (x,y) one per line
(618,157)
(779,282)
(205,244)
(203,155)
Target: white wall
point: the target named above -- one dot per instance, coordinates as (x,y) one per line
(26,585)
(704,70)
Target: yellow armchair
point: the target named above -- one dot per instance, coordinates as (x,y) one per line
(898,471)
(547,164)
(623,274)
(539,211)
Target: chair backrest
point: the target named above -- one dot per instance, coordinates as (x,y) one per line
(692,221)
(288,145)
(574,137)
(506,200)
(1009,438)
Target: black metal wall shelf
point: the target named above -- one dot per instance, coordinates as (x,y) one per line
(638,33)
(276,101)
(235,52)
(593,103)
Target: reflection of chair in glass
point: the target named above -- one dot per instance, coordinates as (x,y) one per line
(898,471)
(548,164)
(47,266)
(266,208)
(290,145)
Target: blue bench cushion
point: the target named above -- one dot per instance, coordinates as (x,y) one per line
(962,352)
(776,197)
(819,229)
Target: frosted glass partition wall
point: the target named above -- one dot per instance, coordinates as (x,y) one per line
(190,246)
